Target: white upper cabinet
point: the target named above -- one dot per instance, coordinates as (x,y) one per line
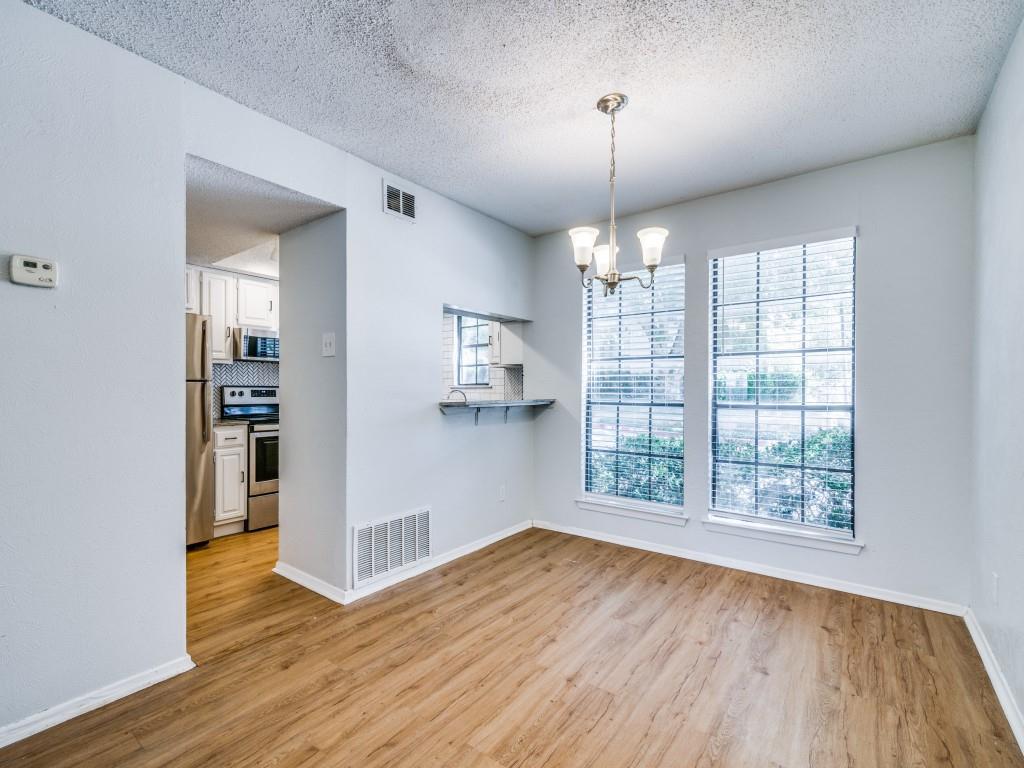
(191,289)
(507,344)
(218,301)
(231,301)
(257,303)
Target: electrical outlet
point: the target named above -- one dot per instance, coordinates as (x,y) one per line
(501,492)
(328,346)
(995,588)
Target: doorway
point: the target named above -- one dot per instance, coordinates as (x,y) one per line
(234,224)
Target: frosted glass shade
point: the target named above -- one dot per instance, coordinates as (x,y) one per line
(583,239)
(652,240)
(603,261)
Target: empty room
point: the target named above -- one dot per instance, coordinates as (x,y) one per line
(407,383)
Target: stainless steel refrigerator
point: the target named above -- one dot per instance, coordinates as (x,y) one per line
(198,430)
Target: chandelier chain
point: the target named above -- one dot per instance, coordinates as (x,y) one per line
(611,196)
(611,168)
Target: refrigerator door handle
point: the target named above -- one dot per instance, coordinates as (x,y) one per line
(207,373)
(206,410)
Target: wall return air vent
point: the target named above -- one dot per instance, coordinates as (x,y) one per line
(398,202)
(385,546)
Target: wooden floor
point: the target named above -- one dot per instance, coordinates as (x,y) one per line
(546,649)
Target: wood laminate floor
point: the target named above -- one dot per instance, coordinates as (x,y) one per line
(546,650)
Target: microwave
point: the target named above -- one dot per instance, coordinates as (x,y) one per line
(257,344)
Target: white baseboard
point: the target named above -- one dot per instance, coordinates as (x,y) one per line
(93,700)
(346,596)
(765,570)
(309,581)
(995,674)
(351,595)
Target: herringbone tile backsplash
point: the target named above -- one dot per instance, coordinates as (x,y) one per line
(244,373)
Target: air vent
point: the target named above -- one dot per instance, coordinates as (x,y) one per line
(384,546)
(399,203)
(392,199)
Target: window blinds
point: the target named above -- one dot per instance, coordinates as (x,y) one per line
(633,378)
(782,367)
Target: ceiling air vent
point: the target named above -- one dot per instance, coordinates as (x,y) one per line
(384,546)
(399,203)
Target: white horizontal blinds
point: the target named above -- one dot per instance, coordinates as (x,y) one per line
(474,350)
(633,428)
(782,357)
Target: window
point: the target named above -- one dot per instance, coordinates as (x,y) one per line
(474,363)
(633,377)
(782,363)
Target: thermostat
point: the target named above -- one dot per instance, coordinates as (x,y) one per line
(28,270)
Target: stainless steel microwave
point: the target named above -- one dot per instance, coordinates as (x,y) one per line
(257,344)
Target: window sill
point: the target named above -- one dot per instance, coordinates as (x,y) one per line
(638,510)
(781,534)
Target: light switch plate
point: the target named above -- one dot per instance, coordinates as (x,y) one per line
(38,273)
(328,347)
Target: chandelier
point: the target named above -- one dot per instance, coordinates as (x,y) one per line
(652,239)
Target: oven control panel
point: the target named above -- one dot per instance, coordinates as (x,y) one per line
(234,395)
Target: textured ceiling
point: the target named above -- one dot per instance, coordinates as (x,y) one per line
(491,101)
(228,212)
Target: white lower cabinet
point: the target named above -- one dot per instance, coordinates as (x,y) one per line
(230,494)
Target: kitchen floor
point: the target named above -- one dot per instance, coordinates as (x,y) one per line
(546,649)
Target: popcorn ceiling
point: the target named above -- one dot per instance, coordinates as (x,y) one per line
(227,211)
(491,102)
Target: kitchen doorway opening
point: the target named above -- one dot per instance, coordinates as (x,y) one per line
(233,350)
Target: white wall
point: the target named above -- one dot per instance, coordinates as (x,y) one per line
(399,274)
(313,399)
(999,372)
(402,452)
(92,571)
(225,132)
(914,319)
(92,540)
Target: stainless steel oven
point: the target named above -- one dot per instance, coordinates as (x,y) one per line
(259,406)
(262,459)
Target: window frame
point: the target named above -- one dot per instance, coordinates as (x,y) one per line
(459,347)
(751,524)
(626,506)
